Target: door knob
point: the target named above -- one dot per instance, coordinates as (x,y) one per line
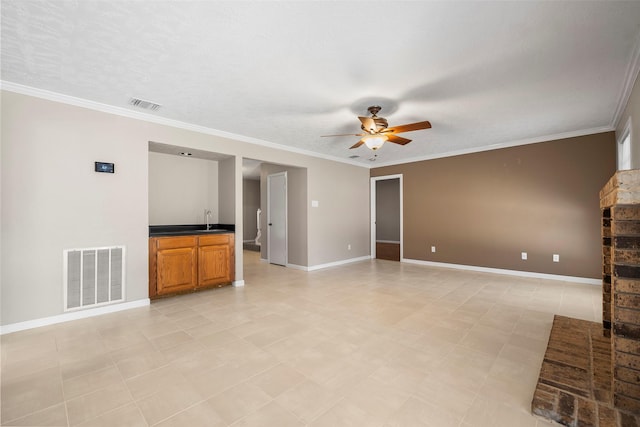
(270,224)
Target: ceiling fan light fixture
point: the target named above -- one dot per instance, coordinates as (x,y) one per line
(375,141)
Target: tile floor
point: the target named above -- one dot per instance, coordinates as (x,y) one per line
(374,343)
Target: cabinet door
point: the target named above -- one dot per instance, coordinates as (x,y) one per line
(213,265)
(176,270)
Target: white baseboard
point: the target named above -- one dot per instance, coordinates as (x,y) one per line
(75,315)
(575,279)
(331,264)
(238,283)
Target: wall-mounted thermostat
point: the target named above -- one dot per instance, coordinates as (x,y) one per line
(105,167)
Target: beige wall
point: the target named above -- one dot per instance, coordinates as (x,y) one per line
(484,209)
(250,205)
(632,111)
(194,182)
(52,199)
(226,192)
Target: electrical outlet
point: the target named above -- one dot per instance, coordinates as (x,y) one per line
(433,248)
(556,257)
(524,256)
(349,247)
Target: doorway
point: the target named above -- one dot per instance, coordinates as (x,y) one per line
(277,218)
(386,217)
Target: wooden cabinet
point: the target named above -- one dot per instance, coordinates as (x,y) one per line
(214,259)
(187,263)
(176,264)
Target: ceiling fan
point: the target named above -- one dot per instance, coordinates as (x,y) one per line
(377,132)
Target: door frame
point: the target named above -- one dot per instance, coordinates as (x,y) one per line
(286,219)
(374,180)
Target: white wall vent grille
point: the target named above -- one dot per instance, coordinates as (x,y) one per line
(147,105)
(93,277)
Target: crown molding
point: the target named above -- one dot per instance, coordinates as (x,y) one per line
(125,112)
(526,141)
(631,75)
(120,111)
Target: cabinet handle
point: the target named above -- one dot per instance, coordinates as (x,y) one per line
(270,224)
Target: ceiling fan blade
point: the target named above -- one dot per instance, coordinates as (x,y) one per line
(343,134)
(408,128)
(357,144)
(397,139)
(368,124)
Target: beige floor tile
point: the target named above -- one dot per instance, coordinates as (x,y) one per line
(181,350)
(30,393)
(192,364)
(53,416)
(199,415)
(487,412)
(97,403)
(455,399)
(289,348)
(307,400)
(121,336)
(399,378)
(168,401)
(204,329)
(376,398)
(27,366)
(158,328)
(82,364)
(239,401)
(277,380)
(416,413)
(149,383)
(344,413)
(88,383)
(124,416)
(325,345)
(218,379)
(140,363)
(170,340)
(192,321)
(419,360)
(486,339)
(217,339)
(271,414)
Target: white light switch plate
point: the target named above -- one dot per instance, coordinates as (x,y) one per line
(524,255)
(315,204)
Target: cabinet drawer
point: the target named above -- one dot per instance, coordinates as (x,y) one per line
(176,242)
(214,239)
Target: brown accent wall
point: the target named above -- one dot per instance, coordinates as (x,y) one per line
(484,209)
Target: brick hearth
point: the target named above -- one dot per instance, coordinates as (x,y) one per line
(574,387)
(590,375)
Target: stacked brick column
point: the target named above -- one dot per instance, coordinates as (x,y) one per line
(620,204)
(606,271)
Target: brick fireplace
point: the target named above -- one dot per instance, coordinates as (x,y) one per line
(590,375)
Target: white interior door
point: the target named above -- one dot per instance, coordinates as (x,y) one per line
(277,218)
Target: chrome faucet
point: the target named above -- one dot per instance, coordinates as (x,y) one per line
(207,215)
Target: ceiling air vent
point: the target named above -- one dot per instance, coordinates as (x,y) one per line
(147,105)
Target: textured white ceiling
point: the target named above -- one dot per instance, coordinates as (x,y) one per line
(485,74)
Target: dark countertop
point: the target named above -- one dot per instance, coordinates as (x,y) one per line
(186,230)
